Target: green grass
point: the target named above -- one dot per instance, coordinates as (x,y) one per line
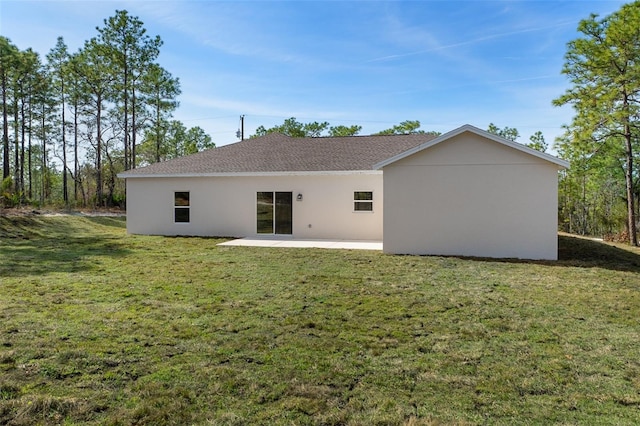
(98,327)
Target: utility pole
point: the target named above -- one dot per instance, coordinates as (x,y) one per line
(240,133)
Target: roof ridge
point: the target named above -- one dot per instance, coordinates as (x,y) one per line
(372,135)
(275,135)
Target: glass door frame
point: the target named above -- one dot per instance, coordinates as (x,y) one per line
(274,213)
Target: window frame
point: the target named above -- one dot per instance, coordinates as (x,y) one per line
(357,201)
(181,207)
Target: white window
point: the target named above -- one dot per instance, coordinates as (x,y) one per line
(363,201)
(181,207)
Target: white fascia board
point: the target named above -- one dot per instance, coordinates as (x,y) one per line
(126,175)
(562,164)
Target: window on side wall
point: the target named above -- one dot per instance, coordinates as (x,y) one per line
(181,207)
(363,201)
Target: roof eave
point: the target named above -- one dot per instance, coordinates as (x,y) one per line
(126,175)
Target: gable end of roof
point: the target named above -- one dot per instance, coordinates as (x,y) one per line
(560,163)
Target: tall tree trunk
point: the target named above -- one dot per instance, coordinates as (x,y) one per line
(133,128)
(126,115)
(157,127)
(16,142)
(5,128)
(76,165)
(30,168)
(65,189)
(44,157)
(99,152)
(628,174)
(23,132)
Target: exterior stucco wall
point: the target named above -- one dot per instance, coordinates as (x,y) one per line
(226,206)
(471,196)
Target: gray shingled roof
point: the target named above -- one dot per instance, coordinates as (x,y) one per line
(279,153)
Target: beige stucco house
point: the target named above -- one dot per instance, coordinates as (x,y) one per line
(467,192)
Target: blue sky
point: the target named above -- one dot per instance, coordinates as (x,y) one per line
(372,63)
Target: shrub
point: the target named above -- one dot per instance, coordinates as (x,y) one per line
(8,196)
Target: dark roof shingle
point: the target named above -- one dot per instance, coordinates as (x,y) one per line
(276,152)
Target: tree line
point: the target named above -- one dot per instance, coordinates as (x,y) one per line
(296,129)
(72,121)
(599,193)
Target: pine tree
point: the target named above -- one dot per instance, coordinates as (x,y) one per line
(604,71)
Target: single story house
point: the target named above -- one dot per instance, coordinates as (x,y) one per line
(464,193)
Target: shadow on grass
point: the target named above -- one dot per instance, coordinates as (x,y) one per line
(583,252)
(112,221)
(35,246)
(586,253)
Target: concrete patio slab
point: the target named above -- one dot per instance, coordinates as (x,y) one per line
(295,243)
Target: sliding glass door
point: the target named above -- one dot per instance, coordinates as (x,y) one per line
(274,212)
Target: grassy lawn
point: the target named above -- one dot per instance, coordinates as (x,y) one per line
(98,327)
